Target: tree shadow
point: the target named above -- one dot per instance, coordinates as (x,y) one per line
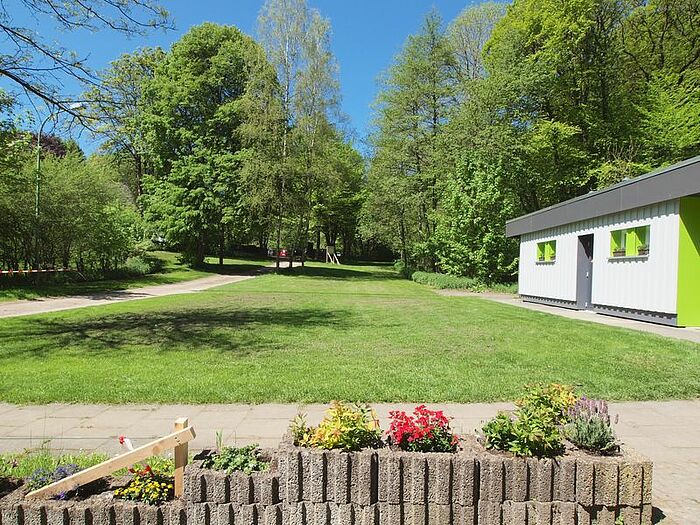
(240,332)
(334,272)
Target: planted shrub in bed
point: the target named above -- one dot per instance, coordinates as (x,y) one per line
(535,428)
(236,459)
(344,427)
(42,477)
(590,427)
(425,431)
(149,485)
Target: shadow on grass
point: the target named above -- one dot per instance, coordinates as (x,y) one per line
(238,332)
(334,272)
(233,269)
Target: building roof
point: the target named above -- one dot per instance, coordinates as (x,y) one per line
(679,180)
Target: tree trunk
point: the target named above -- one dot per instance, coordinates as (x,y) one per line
(222,242)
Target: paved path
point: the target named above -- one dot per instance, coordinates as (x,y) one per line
(55,304)
(667,432)
(687,334)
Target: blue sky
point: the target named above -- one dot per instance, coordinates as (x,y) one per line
(367,35)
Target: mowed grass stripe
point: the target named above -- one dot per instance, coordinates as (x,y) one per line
(321,333)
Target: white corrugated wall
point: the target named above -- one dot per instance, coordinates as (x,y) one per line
(642,284)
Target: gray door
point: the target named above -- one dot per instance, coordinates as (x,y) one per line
(584,271)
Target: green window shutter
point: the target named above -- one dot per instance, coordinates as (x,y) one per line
(552,245)
(631,242)
(642,239)
(540,251)
(615,241)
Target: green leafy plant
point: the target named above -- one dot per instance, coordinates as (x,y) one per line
(590,427)
(345,427)
(553,400)
(534,429)
(148,485)
(42,476)
(528,434)
(233,459)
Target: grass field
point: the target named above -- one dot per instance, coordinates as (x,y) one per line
(173,272)
(323,333)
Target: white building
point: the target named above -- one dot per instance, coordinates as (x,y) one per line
(630,250)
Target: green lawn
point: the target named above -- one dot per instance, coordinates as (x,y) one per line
(323,333)
(173,272)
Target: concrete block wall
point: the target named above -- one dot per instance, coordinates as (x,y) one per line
(101,511)
(315,487)
(382,487)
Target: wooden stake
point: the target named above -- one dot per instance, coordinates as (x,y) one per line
(105,468)
(180,456)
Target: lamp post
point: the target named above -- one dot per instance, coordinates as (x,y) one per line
(51,115)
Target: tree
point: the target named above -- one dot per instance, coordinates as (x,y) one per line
(193,127)
(338,201)
(40,67)
(317,99)
(412,110)
(469,33)
(116,107)
(282,25)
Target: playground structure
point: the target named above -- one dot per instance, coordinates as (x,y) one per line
(331,256)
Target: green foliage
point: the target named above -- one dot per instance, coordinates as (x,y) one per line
(534,429)
(148,485)
(590,427)
(345,427)
(554,399)
(592,433)
(85,218)
(21,465)
(192,125)
(446,281)
(233,459)
(143,265)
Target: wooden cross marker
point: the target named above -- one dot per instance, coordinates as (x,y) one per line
(177,440)
(180,457)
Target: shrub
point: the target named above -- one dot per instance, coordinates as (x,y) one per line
(528,433)
(590,427)
(148,486)
(553,399)
(403,270)
(138,265)
(345,427)
(534,429)
(425,431)
(231,459)
(445,281)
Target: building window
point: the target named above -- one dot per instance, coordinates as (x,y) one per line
(631,242)
(547,251)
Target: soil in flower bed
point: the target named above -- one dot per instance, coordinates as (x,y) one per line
(8,485)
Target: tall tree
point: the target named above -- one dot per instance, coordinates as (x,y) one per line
(193,125)
(412,110)
(282,25)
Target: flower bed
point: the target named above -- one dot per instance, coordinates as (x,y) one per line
(345,473)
